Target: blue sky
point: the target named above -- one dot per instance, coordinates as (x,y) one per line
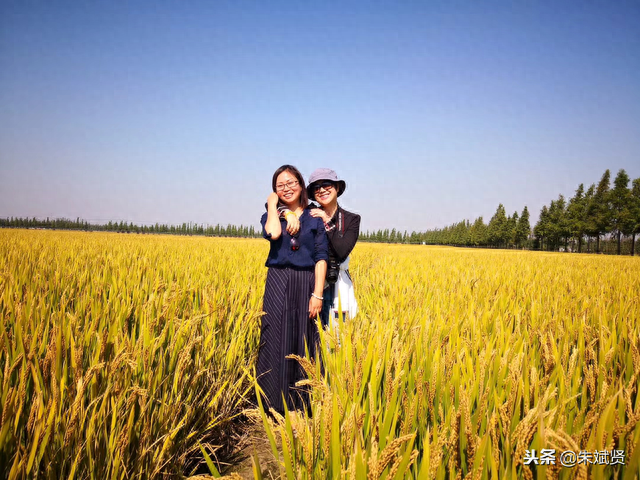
(431,111)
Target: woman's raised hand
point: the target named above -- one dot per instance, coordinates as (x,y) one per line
(272,200)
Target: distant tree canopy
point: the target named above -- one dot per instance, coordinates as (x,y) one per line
(502,231)
(124,227)
(591,216)
(601,215)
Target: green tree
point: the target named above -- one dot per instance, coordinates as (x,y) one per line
(541,229)
(576,216)
(590,228)
(620,207)
(478,233)
(523,229)
(512,225)
(600,210)
(498,227)
(558,225)
(635,212)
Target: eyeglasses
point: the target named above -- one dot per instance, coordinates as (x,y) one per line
(326,185)
(290,185)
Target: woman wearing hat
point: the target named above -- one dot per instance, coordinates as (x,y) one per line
(343,229)
(293,293)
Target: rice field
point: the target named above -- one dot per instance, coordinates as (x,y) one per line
(126,356)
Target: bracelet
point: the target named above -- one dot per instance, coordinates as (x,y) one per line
(289,213)
(316,296)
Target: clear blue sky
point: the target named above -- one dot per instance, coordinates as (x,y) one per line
(431,111)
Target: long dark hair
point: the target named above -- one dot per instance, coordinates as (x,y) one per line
(304,198)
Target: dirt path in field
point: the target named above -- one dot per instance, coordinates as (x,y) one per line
(255,441)
(244,438)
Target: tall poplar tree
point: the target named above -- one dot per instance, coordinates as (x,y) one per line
(601,209)
(576,213)
(524,228)
(620,207)
(512,224)
(478,233)
(589,220)
(498,227)
(558,226)
(635,212)
(541,230)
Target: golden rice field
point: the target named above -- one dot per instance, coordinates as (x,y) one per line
(126,356)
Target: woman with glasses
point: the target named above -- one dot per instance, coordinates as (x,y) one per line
(343,229)
(297,265)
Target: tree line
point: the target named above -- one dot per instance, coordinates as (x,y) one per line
(597,217)
(124,227)
(591,215)
(502,231)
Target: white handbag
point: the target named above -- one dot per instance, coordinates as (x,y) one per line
(344,296)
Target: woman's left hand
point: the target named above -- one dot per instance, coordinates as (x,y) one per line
(315,307)
(293,223)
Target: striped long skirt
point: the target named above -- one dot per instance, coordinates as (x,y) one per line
(286,328)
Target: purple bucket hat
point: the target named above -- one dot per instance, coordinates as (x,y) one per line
(324,174)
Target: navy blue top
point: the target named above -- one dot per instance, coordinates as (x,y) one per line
(312,239)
